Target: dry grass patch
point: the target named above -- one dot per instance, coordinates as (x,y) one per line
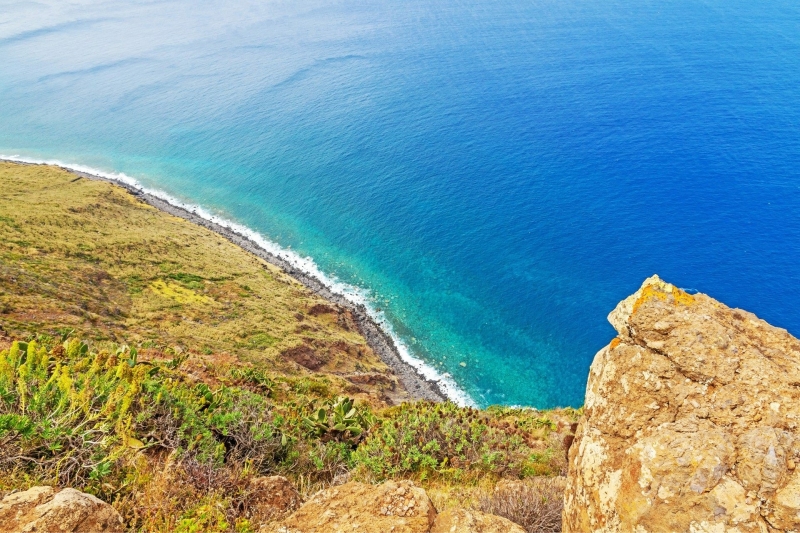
(535,504)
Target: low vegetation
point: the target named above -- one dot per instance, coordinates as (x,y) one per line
(446,442)
(167,450)
(151,363)
(535,503)
(75,416)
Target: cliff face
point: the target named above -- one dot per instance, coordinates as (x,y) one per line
(690,422)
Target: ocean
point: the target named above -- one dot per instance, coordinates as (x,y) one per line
(490,176)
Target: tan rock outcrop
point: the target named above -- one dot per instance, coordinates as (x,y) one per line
(463,521)
(397,507)
(44,509)
(690,424)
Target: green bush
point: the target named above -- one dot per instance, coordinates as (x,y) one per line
(205,518)
(339,421)
(75,416)
(72,415)
(457,443)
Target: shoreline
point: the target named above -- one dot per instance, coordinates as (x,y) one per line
(418,386)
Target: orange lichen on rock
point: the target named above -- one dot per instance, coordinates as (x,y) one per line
(663,293)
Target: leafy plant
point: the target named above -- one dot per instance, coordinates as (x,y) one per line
(339,420)
(205,518)
(253,376)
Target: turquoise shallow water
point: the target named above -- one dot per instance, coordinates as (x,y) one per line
(495,175)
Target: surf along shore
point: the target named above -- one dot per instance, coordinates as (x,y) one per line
(418,386)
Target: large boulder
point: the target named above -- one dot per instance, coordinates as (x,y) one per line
(463,521)
(44,509)
(691,422)
(397,507)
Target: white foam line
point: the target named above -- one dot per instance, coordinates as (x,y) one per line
(356,295)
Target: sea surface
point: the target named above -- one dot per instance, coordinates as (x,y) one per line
(491,176)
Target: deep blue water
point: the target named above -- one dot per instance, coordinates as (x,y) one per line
(497,174)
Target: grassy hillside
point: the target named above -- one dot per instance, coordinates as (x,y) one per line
(88,257)
(154,364)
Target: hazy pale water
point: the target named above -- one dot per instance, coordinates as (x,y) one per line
(497,174)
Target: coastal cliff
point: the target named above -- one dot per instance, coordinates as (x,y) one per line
(690,424)
(170,368)
(158,364)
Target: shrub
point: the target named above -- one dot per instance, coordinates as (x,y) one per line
(536,505)
(190,495)
(321,439)
(454,442)
(205,518)
(340,421)
(66,414)
(172,453)
(71,415)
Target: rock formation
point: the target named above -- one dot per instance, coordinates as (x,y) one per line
(44,509)
(394,506)
(399,507)
(691,422)
(463,521)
